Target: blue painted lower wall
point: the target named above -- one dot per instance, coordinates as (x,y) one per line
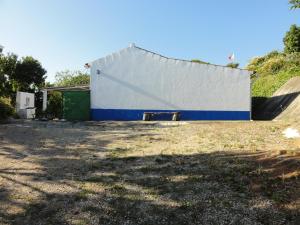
(137,114)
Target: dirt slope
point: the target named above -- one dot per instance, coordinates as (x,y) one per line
(285,102)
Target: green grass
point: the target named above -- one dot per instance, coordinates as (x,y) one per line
(266,85)
(274,69)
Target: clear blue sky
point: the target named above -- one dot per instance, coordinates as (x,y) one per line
(65,34)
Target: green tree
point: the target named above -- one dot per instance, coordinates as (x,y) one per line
(292,40)
(295,4)
(69,78)
(233,65)
(26,74)
(29,75)
(7,70)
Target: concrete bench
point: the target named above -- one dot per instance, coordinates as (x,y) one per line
(147,116)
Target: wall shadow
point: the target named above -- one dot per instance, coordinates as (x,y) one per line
(140,91)
(264,108)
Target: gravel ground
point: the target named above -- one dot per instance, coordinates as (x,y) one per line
(149,173)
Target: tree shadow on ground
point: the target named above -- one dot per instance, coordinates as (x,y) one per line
(205,188)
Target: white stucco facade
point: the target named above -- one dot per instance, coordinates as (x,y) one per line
(134,80)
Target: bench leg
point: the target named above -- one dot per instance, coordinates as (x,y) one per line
(175,117)
(146,117)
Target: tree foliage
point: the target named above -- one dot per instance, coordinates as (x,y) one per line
(6,109)
(54,108)
(274,69)
(271,63)
(233,65)
(29,74)
(295,4)
(25,74)
(292,40)
(7,69)
(71,78)
(199,61)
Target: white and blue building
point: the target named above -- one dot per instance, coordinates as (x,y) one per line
(132,81)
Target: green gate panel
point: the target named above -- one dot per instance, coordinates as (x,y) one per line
(76,105)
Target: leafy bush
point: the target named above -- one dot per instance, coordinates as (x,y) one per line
(273,54)
(233,65)
(54,108)
(273,69)
(6,109)
(273,65)
(293,60)
(265,86)
(199,61)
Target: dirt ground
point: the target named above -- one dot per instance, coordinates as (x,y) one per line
(149,173)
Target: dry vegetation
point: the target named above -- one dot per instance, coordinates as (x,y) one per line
(148,173)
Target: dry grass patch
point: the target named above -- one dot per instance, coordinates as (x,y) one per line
(148,173)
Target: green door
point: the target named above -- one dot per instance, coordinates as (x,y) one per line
(76,105)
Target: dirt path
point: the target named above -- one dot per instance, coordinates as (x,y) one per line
(148,173)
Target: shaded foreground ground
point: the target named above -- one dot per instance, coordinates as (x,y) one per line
(148,173)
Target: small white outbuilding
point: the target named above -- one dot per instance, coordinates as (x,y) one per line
(128,83)
(25,105)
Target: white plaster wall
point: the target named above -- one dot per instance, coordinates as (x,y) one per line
(137,79)
(24,100)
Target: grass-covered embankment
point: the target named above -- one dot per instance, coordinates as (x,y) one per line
(273,71)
